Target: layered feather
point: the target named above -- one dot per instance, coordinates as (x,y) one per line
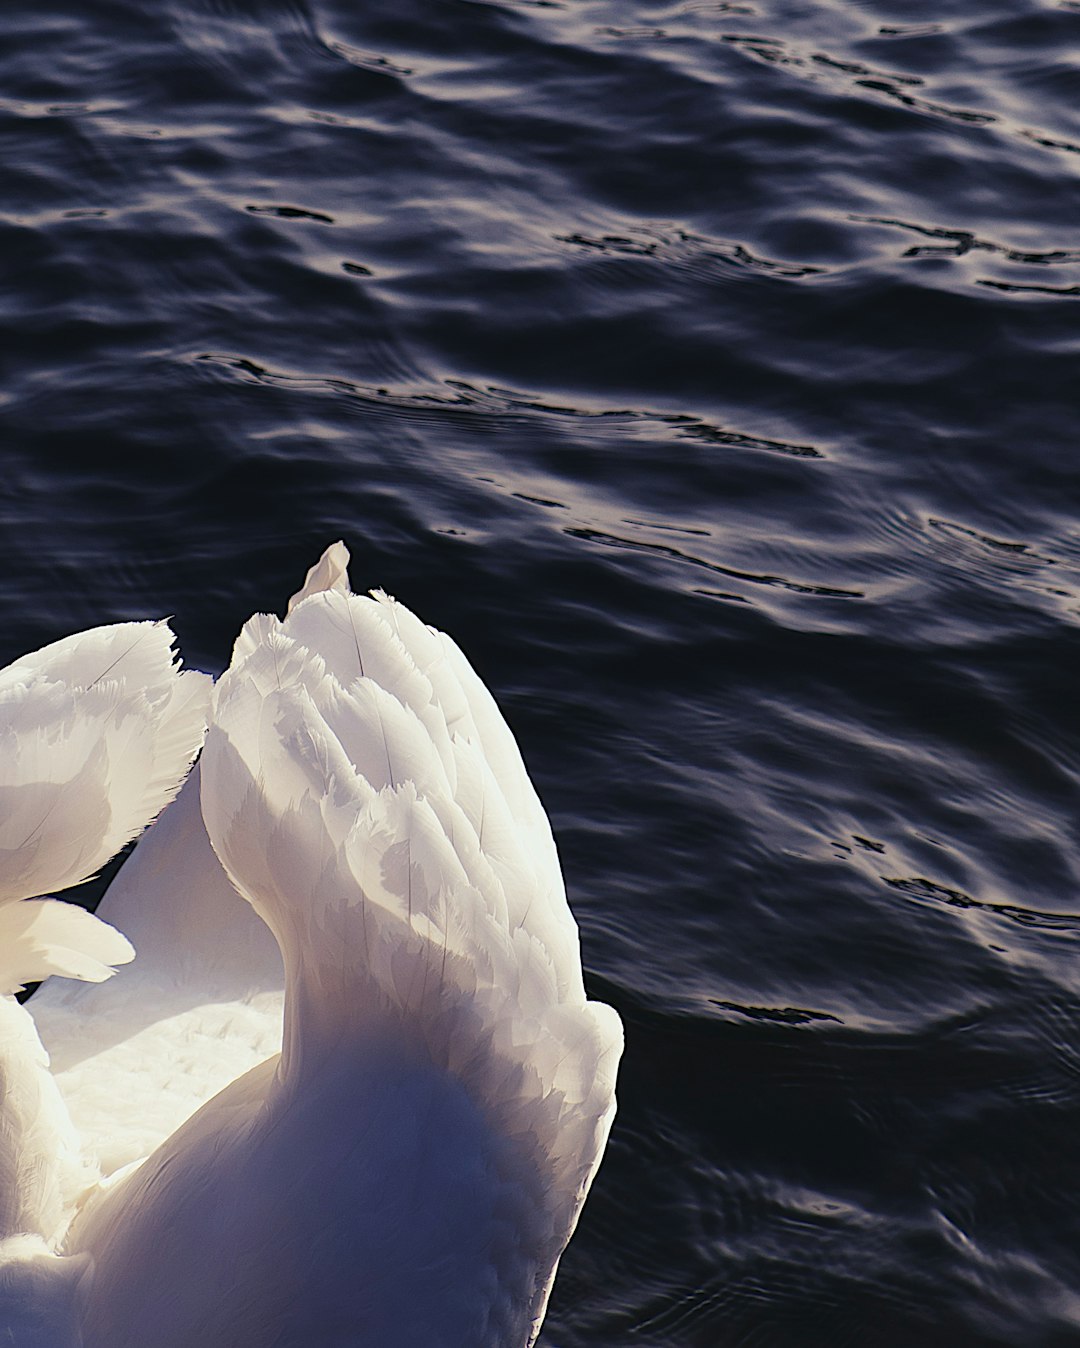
(41,1165)
(96,733)
(199,1006)
(40,937)
(410,1169)
(364,793)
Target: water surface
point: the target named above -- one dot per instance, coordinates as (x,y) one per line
(709,371)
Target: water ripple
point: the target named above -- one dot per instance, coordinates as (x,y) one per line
(708,368)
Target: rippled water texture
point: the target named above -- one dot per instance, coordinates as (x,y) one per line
(710,371)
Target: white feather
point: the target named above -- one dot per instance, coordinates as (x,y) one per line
(411,1169)
(40,937)
(199,1006)
(96,734)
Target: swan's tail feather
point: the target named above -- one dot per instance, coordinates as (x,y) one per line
(364,793)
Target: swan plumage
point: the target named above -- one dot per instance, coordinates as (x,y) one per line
(410,1166)
(96,734)
(200,1004)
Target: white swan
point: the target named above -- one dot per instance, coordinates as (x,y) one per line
(408,1171)
(96,733)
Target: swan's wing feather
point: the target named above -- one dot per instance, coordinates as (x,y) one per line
(493,787)
(96,733)
(43,936)
(134,651)
(373,807)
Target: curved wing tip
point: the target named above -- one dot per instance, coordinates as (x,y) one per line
(42,938)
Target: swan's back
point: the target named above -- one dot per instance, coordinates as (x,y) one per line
(422,1151)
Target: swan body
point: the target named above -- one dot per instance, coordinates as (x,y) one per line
(408,1168)
(96,734)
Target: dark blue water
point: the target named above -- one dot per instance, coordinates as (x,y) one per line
(710,371)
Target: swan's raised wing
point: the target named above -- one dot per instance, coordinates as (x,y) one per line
(363,792)
(96,733)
